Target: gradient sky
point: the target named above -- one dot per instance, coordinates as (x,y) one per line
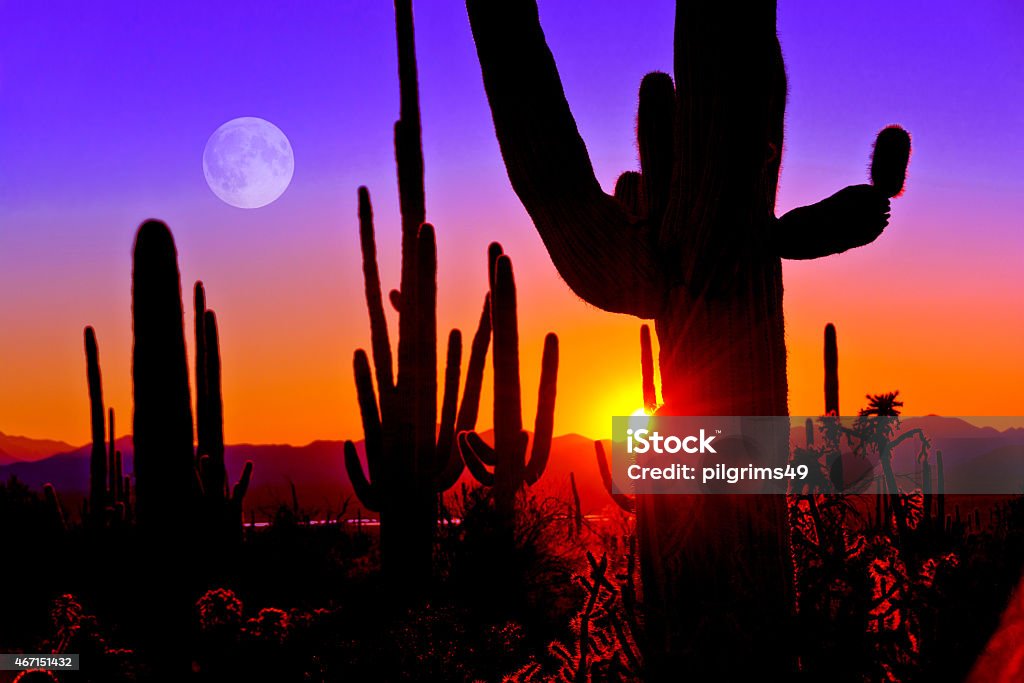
(105,109)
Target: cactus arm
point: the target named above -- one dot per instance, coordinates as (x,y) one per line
(411,196)
(647,370)
(372,431)
(98,456)
(854,216)
(850,218)
(545,421)
(623,500)
(215,476)
(889,160)
(379,341)
(366,492)
(629,191)
(242,486)
(494,251)
(120,490)
(446,433)
(470,406)
(473,460)
(587,232)
(199,310)
(425,351)
(112,473)
(483,451)
(656,142)
(831,371)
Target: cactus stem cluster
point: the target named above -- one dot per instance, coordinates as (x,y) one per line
(508,456)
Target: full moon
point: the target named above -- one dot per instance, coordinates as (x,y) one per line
(248,162)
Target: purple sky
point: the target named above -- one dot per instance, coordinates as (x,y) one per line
(105,108)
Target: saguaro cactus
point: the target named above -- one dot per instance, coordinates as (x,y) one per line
(409,460)
(107,503)
(221,508)
(831,371)
(162,429)
(512,470)
(98,475)
(692,242)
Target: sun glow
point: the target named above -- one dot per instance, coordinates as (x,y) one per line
(639,419)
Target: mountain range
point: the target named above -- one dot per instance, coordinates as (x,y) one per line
(973,456)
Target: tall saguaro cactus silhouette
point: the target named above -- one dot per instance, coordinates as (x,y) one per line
(831,371)
(512,471)
(98,472)
(162,429)
(409,460)
(220,508)
(693,242)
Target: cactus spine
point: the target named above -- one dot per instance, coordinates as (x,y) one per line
(512,470)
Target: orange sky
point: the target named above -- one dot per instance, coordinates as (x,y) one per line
(93,145)
(950,344)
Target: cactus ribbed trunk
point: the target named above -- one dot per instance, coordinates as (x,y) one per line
(162,429)
(716,568)
(510,466)
(164,456)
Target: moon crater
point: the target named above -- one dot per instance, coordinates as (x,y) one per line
(248,162)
